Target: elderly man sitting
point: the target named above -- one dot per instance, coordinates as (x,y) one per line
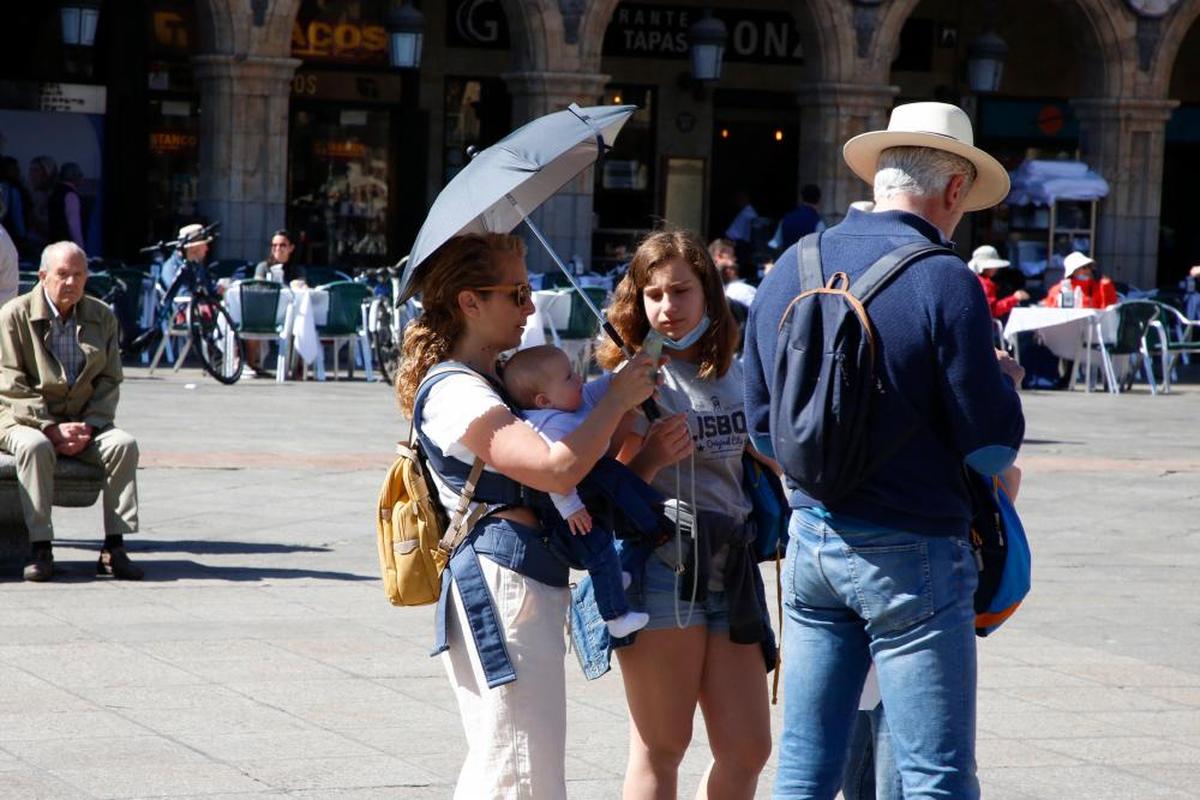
(60,369)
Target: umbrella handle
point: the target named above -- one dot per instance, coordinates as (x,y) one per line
(649,407)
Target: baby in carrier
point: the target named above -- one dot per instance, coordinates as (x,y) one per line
(555,401)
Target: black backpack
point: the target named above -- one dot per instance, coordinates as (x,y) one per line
(823,379)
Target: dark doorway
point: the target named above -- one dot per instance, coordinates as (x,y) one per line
(755,149)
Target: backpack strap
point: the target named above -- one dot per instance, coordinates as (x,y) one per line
(812,275)
(889,265)
(462,523)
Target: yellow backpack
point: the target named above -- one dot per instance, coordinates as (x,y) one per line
(415,544)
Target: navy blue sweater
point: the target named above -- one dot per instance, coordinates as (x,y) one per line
(937,366)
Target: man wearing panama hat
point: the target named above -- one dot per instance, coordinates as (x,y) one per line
(885,573)
(193,247)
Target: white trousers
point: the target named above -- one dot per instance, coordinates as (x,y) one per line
(516,733)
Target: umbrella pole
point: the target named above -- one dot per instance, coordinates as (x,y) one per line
(604,323)
(649,408)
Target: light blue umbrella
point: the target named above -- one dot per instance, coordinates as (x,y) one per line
(501,185)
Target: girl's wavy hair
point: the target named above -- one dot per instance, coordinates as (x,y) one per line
(628,312)
(461,263)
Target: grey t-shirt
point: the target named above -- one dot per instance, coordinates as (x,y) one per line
(717,420)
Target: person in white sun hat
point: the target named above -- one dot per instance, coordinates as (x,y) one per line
(882,571)
(1079,276)
(986,262)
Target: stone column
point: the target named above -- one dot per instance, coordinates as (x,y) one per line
(1123,139)
(243,148)
(566,219)
(831,113)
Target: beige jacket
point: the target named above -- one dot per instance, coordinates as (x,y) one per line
(33,386)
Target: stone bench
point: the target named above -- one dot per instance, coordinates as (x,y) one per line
(76,484)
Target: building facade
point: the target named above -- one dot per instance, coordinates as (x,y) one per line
(286,113)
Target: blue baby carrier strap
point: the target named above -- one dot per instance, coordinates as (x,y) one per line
(515,547)
(510,545)
(492,487)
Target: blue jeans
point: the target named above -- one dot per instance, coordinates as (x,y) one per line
(906,601)
(871,768)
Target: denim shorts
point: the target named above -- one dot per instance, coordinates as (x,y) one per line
(657,597)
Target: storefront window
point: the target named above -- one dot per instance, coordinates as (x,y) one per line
(625,180)
(338,183)
(173,166)
(478,112)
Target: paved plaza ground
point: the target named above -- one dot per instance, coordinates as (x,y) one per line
(259,659)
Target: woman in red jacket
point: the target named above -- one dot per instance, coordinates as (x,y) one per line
(1079,272)
(986,262)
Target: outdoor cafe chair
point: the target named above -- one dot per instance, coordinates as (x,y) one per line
(346,323)
(259,304)
(582,327)
(1171,335)
(1134,318)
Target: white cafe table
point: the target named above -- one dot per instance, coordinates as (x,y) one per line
(298,314)
(1065,330)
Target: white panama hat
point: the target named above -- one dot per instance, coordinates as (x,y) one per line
(188,231)
(940,126)
(1076,261)
(986,257)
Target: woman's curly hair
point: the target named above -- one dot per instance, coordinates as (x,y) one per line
(461,263)
(628,312)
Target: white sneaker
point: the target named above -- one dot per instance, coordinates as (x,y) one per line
(627,623)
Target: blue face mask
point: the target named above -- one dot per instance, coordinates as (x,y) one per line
(656,341)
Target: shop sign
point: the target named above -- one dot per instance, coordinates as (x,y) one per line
(366,87)
(340,150)
(172,142)
(477,23)
(1027,119)
(344,42)
(78,98)
(646,30)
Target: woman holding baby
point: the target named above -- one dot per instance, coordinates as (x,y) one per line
(504,600)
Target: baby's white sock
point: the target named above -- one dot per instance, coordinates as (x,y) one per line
(626,579)
(627,623)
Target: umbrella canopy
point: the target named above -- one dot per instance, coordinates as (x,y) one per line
(503,183)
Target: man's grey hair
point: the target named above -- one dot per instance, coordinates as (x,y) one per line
(919,171)
(61,251)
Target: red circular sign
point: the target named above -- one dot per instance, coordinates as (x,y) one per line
(1050,120)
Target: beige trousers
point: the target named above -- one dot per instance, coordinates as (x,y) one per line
(113,449)
(516,733)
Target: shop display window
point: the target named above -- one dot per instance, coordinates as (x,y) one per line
(626,179)
(478,113)
(173,166)
(338,183)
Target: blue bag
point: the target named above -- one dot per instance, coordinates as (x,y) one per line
(1001,552)
(823,379)
(770,512)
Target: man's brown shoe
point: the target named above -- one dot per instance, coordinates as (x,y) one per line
(116,562)
(40,569)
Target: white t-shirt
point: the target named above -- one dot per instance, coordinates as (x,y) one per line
(554,425)
(452,405)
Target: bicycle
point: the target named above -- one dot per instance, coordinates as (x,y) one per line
(386,319)
(212,333)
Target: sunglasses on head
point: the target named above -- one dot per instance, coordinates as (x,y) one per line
(521,293)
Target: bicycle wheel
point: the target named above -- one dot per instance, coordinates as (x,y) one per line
(384,346)
(215,339)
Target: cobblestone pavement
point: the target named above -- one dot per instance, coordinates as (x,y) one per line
(260,658)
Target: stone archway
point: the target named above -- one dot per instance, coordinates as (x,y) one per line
(244,72)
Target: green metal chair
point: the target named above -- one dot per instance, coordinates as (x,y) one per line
(1171,335)
(578,338)
(259,304)
(129,299)
(101,285)
(345,323)
(1134,318)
